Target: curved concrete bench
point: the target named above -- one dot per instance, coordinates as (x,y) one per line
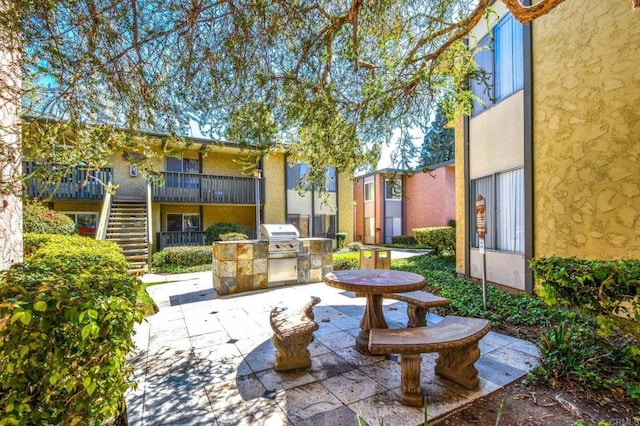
(293,331)
(454,338)
(418,304)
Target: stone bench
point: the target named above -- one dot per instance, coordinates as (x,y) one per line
(418,304)
(454,338)
(293,332)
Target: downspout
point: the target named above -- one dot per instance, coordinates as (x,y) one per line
(467,199)
(528,154)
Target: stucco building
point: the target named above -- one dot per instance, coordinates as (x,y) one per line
(392,202)
(554,144)
(200,185)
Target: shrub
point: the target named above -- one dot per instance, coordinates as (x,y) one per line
(602,289)
(440,239)
(67,316)
(234,236)
(41,220)
(340,238)
(404,240)
(354,247)
(214,231)
(343,261)
(182,256)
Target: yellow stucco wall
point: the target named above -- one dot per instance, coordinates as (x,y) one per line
(587,130)
(77,206)
(128,185)
(245,216)
(274,206)
(461,224)
(345,207)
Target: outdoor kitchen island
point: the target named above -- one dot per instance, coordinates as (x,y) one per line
(275,261)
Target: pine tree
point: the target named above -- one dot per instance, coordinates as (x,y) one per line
(438,144)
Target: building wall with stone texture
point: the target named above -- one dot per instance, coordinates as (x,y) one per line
(587,131)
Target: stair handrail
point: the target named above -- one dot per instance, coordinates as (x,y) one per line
(149,220)
(105,212)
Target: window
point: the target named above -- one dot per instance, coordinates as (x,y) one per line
(182,165)
(301,222)
(86,222)
(324,226)
(501,58)
(183,222)
(369,227)
(331,181)
(296,174)
(368,191)
(393,189)
(176,169)
(504,198)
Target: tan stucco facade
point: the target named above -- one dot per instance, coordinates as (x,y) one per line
(587,131)
(275,187)
(345,207)
(585,143)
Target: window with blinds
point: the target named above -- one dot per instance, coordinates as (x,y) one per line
(504,198)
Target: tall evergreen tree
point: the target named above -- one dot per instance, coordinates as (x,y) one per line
(439,141)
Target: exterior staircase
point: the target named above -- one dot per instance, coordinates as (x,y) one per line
(128,228)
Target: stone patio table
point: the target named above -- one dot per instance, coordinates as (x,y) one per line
(374,283)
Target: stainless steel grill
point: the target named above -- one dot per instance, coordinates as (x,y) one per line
(284,245)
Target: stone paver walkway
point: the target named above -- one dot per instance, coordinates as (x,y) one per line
(208,360)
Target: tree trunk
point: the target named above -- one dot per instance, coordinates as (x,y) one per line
(10,158)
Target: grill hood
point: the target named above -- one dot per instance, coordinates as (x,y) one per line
(278,232)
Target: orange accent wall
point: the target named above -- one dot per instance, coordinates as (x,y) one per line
(430,199)
(379,200)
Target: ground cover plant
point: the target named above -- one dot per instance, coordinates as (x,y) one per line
(66,325)
(574,355)
(346,260)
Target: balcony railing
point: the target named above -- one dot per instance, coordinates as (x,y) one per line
(199,188)
(77,184)
(186,238)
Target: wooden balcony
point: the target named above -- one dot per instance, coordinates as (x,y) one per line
(207,189)
(78,184)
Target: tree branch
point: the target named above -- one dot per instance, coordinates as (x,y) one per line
(526,14)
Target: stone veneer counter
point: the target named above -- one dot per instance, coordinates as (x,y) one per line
(244,265)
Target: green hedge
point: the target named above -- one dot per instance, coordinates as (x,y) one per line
(440,239)
(66,325)
(39,219)
(234,236)
(214,232)
(404,239)
(182,256)
(598,288)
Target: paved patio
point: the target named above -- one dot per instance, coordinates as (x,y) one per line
(208,360)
